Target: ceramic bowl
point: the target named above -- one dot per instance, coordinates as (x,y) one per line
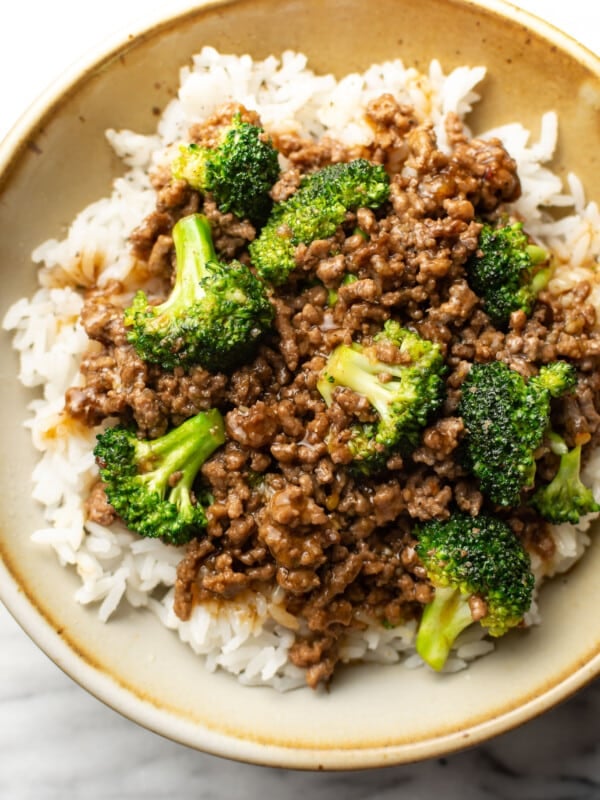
(374,715)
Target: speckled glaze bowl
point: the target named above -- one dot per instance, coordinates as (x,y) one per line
(374,715)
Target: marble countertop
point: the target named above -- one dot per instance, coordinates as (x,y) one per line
(57,742)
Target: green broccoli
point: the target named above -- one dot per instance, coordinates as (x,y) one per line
(239,171)
(505,418)
(503,272)
(315,211)
(565,498)
(404,395)
(469,557)
(149,483)
(214,315)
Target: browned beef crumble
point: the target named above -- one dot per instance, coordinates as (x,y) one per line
(286,511)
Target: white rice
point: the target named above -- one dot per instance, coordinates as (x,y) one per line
(250,637)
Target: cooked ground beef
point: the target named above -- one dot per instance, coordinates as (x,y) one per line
(285,509)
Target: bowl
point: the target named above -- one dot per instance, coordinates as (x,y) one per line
(374,716)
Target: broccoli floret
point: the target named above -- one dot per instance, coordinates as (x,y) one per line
(557,378)
(505,418)
(239,171)
(504,272)
(149,482)
(465,557)
(565,498)
(315,211)
(214,315)
(404,395)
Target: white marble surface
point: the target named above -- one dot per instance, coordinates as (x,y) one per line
(57,742)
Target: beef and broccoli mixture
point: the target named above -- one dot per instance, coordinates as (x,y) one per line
(345,379)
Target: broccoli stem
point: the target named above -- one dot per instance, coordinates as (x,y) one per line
(540,281)
(149,482)
(403,395)
(570,466)
(536,254)
(566,498)
(442,621)
(557,443)
(182,450)
(352,368)
(213,317)
(193,250)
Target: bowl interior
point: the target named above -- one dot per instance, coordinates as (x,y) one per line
(373,715)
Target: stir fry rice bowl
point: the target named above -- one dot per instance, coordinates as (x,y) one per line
(118,577)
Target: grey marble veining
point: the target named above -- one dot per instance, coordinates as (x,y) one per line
(59,743)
